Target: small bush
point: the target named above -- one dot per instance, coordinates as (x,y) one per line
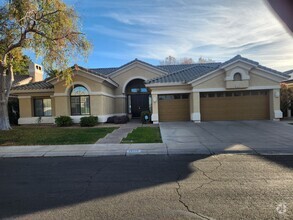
(118,119)
(145,117)
(121,119)
(88,121)
(111,119)
(63,121)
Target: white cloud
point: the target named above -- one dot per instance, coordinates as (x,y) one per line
(191,28)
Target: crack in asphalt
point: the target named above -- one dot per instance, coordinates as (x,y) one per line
(89,181)
(185,205)
(204,173)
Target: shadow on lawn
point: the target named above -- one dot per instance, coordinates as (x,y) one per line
(30,185)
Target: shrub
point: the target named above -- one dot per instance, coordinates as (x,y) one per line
(63,121)
(121,119)
(111,119)
(145,117)
(118,119)
(88,121)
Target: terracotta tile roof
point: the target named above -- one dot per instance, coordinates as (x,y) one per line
(191,72)
(34,86)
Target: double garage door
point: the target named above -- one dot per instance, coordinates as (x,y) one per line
(238,105)
(217,106)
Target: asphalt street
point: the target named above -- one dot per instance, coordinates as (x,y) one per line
(147,187)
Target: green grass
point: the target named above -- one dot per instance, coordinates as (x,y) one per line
(144,135)
(30,135)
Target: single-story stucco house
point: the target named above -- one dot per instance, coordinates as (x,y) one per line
(238,89)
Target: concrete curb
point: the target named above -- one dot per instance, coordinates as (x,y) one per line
(90,150)
(98,150)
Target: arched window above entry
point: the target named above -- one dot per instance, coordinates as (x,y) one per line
(237,77)
(136,86)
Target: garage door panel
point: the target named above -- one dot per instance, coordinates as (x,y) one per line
(248,107)
(174,110)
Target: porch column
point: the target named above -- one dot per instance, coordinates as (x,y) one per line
(195,107)
(155,109)
(275,112)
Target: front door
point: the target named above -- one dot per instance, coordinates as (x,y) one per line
(139,103)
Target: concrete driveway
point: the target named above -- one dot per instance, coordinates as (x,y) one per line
(264,137)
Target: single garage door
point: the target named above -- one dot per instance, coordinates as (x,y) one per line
(174,107)
(238,105)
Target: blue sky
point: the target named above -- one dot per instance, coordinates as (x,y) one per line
(150,30)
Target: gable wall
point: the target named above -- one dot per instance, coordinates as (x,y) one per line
(133,72)
(219,82)
(94,86)
(216,82)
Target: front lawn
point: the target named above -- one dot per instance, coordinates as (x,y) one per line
(30,135)
(144,135)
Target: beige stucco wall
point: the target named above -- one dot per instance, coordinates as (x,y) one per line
(53,106)
(96,105)
(274,96)
(108,105)
(171,89)
(92,85)
(216,82)
(25,107)
(195,106)
(120,105)
(256,80)
(62,106)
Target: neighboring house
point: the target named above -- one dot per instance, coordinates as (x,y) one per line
(289,82)
(238,89)
(35,75)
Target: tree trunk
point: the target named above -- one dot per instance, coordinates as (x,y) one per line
(4,118)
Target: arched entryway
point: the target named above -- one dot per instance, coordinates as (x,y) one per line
(138,97)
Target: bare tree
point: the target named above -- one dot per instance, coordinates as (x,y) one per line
(170,60)
(205,60)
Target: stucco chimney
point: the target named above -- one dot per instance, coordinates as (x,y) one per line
(36,72)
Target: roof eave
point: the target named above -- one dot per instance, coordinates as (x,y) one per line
(15,92)
(134,62)
(165,84)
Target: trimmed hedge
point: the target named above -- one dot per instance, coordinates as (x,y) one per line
(89,121)
(63,121)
